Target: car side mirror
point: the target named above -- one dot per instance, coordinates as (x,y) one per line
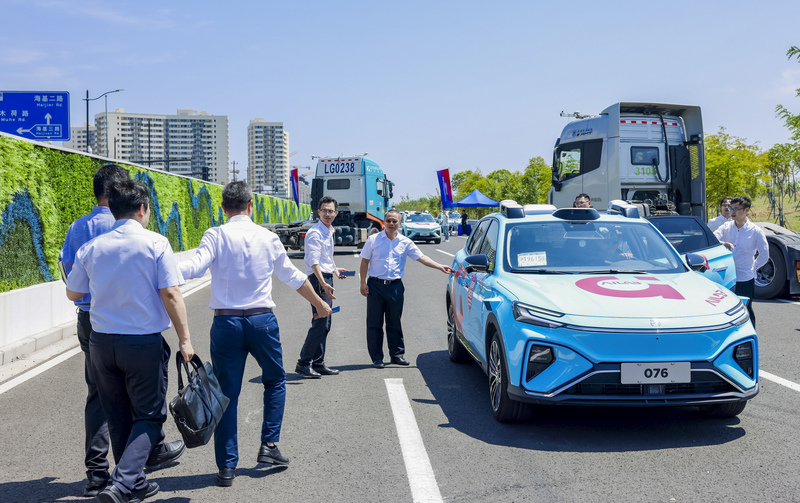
(697,262)
(477,263)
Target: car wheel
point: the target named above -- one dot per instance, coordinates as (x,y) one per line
(724,409)
(770,279)
(437,241)
(504,408)
(458,353)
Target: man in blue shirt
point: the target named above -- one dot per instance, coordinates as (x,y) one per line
(134,283)
(98,222)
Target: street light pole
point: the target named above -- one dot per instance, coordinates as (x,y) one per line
(87,99)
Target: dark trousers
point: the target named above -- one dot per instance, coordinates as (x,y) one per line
(232,338)
(95,424)
(94,419)
(313,351)
(384,303)
(747,289)
(130,378)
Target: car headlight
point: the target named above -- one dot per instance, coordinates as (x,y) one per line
(743,355)
(534,315)
(739,313)
(539,358)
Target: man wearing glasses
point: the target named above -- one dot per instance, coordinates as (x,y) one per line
(582,201)
(320,269)
(744,239)
(383,261)
(724,214)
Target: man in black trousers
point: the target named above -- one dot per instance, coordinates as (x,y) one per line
(98,222)
(135,286)
(383,261)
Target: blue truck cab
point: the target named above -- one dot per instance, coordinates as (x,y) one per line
(362,192)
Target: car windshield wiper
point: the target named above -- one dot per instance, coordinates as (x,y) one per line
(539,271)
(615,271)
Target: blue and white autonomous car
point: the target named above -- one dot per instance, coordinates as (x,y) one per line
(573,307)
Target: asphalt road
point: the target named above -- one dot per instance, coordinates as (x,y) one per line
(349,437)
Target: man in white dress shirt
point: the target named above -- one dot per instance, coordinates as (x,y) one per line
(320,269)
(242,257)
(383,261)
(724,214)
(134,282)
(744,239)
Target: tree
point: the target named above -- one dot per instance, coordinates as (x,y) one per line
(457,179)
(733,167)
(539,178)
(792,121)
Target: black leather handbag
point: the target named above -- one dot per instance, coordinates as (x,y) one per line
(200,404)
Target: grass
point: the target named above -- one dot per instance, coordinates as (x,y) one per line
(762,211)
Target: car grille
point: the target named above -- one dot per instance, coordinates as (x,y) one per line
(703,383)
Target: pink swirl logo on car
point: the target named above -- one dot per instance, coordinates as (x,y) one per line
(638,287)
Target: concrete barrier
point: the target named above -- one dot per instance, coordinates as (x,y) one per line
(35,317)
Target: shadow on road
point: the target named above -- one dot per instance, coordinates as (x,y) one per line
(46,489)
(462,392)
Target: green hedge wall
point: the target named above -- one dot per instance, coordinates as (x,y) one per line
(43,190)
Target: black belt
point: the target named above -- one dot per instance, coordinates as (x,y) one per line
(387,281)
(242,312)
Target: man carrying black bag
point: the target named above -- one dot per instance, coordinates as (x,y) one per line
(135,286)
(242,257)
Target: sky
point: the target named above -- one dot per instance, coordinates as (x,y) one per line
(419,85)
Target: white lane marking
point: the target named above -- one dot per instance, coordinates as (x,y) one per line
(418,465)
(785,301)
(442,251)
(12,383)
(780,380)
(200,286)
(38,370)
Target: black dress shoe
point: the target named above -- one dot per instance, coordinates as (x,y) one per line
(378,364)
(399,360)
(93,487)
(271,455)
(142,494)
(324,370)
(307,371)
(225,477)
(163,454)
(112,494)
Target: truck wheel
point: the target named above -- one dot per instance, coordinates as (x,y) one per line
(770,279)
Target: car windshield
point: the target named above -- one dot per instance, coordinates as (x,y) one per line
(584,247)
(424,217)
(453,214)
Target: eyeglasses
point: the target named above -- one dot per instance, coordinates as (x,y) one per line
(327,212)
(734,210)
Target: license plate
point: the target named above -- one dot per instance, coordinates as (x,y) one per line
(656,373)
(425,234)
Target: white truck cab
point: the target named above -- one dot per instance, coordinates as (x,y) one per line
(645,152)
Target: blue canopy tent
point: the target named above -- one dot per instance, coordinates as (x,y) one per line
(475,199)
